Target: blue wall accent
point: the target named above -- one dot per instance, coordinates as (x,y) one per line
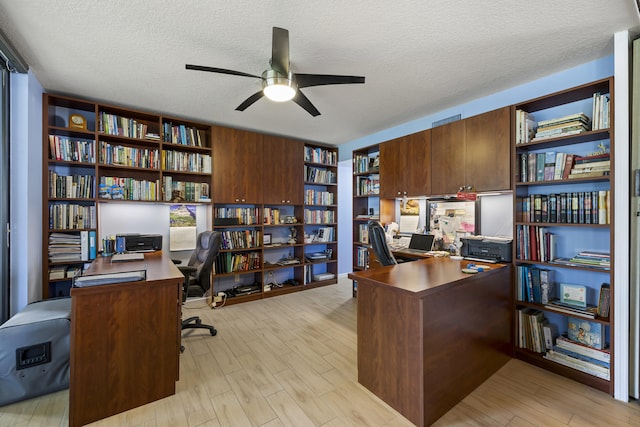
(576,76)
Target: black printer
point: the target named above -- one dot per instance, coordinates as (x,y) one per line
(142,242)
(490,249)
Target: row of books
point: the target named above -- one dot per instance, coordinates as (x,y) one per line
(118,188)
(367,185)
(535,243)
(70,247)
(320,155)
(245,216)
(229,262)
(562,126)
(112,124)
(71,149)
(536,334)
(363,233)
(363,163)
(362,257)
(184,135)
(186,162)
(319,175)
(188,191)
(71,216)
(58,272)
(581,207)
(71,186)
(601,111)
(240,239)
(554,166)
(271,216)
(315,197)
(312,216)
(534,284)
(129,156)
(525,127)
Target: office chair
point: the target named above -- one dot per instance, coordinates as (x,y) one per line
(197,274)
(379,253)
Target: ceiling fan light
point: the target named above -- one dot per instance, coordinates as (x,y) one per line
(276,87)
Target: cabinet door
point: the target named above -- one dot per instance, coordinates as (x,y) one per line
(487,145)
(405,166)
(283,174)
(417,157)
(392,168)
(447,158)
(237,166)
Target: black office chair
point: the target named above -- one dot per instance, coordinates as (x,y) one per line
(379,253)
(197,274)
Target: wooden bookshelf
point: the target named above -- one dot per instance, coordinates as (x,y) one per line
(581,233)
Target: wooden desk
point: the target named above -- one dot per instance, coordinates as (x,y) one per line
(401,253)
(125,339)
(429,334)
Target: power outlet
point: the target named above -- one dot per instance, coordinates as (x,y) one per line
(236,278)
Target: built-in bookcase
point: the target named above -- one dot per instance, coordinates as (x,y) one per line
(96,153)
(563,234)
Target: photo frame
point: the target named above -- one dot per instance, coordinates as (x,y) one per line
(573,294)
(266,239)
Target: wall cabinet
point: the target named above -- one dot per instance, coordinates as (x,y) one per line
(473,152)
(238,165)
(282,171)
(405,166)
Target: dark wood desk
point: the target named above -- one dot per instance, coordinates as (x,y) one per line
(125,339)
(429,334)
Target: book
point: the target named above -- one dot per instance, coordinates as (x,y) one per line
(604,301)
(586,332)
(550,332)
(588,312)
(84,245)
(568,165)
(580,365)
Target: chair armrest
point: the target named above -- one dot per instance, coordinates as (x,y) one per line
(186,270)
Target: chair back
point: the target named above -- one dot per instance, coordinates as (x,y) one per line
(204,255)
(378,246)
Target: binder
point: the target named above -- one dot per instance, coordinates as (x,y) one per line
(84,245)
(92,245)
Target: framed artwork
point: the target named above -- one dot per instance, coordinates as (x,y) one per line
(266,240)
(573,294)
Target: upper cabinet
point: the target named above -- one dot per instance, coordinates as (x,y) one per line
(488,150)
(474,152)
(238,162)
(283,174)
(405,166)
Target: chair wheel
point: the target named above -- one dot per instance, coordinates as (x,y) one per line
(213,332)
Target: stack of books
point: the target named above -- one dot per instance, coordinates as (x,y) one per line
(587,259)
(563,126)
(589,312)
(593,361)
(590,166)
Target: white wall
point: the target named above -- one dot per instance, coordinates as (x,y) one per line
(25,213)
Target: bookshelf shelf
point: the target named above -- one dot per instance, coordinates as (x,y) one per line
(538,244)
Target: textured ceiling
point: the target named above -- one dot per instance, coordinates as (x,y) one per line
(418,56)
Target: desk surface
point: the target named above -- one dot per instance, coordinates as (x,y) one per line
(420,276)
(158,266)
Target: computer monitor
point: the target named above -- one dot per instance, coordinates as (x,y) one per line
(422,242)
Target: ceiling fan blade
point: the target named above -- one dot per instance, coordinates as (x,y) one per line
(304,102)
(219,70)
(280,51)
(306,80)
(250,100)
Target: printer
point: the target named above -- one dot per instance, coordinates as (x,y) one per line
(142,242)
(490,249)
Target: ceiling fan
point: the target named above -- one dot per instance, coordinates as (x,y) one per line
(279,83)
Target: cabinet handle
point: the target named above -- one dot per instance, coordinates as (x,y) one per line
(398,193)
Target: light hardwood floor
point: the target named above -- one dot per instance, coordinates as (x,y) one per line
(291,361)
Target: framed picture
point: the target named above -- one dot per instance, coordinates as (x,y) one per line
(573,294)
(266,240)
